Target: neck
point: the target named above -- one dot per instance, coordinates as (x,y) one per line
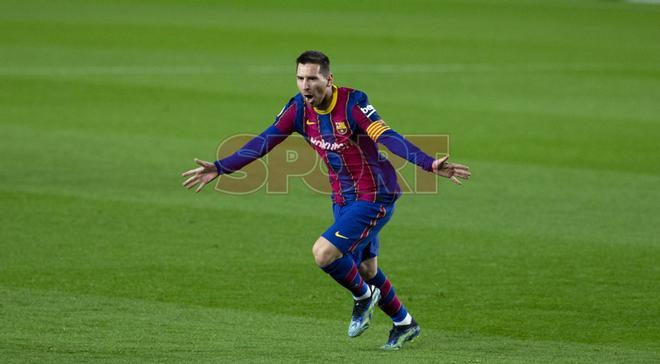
(327,99)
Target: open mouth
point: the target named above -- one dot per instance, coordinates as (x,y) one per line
(308,97)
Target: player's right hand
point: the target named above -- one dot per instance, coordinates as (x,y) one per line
(205,173)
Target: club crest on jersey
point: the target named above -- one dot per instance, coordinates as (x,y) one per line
(341,127)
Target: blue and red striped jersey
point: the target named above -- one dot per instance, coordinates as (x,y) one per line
(344,135)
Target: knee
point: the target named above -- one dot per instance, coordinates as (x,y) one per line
(368,271)
(324,252)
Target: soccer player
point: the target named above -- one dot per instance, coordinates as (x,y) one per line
(343,127)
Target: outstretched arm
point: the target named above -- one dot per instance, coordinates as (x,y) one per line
(397,144)
(252,150)
(368,119)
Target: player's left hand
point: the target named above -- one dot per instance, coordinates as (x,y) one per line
(453,171)
(205,173)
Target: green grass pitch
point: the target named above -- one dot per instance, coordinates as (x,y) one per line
(549,254)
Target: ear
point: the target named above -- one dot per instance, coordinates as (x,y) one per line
(330,80)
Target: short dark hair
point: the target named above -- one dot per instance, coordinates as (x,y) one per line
(315,57)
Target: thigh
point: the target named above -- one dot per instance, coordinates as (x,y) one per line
(357,227)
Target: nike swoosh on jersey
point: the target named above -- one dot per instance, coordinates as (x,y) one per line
(309,122)
(337,234)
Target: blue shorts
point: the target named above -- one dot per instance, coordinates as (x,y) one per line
(356,227)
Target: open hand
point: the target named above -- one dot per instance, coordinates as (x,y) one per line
(203,174)
(450,170)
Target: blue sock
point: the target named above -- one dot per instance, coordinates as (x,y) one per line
(345,272)
(389,302)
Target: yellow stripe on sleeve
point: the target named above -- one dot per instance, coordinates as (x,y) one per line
(372,126)
(375,129)
(377,135)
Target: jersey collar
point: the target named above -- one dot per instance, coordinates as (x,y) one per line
(332,104)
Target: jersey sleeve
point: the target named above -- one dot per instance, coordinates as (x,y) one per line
(285,121)
(251,151)
(364,113)
(367,118)
(263,143)
(402,147)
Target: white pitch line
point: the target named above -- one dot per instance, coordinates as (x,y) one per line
(346,68)
(105,70)
(495,68)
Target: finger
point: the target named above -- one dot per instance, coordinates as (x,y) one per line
(185,183)
(455,180)
(462,173)
(461,166)
(444,172)
(203,163)
(191,172)
(193,181)
(201,185)
(439,163)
